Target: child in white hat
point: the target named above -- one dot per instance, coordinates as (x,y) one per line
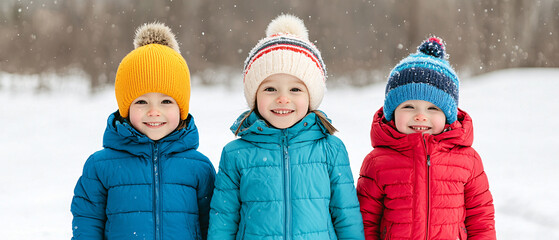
(287,176)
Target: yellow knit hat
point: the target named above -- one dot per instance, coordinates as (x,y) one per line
(155,65)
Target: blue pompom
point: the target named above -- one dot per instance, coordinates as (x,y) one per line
(434,47)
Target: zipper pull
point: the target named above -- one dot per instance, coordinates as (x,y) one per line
(428,160)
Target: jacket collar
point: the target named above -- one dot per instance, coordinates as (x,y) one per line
(120,135)
(384,133)
(257,130)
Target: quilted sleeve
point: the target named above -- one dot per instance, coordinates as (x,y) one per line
(370,199)
(226,203)
(88,205)
(344,206)
(480,212)
(205,192)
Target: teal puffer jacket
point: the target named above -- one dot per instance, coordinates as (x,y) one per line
(294,183)
(136,188)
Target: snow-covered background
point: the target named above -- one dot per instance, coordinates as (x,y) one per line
(45,139)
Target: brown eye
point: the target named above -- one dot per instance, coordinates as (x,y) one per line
(269,89)
(166,101)
(141,102)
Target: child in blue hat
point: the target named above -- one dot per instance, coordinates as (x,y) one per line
(423,179)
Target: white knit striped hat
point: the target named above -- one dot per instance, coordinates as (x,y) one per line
(285,49)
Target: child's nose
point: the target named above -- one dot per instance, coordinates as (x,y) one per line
(420,117)
(154,112)
(283,100)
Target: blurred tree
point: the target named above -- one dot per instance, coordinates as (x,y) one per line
(360,40)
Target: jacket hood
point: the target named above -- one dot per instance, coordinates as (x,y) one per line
(120,135)
(384,133)
(257,130)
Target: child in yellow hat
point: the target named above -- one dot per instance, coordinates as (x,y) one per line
(149,181)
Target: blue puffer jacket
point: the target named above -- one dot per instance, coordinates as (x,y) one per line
(136,188)
(294,183)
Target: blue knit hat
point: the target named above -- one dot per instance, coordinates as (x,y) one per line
(425,75)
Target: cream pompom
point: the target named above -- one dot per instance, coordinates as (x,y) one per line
(157,33)
(288,24)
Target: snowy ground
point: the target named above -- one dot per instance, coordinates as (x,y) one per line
(46,138)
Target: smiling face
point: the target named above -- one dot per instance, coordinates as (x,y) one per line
(282,100)
(155,115)
(418,116)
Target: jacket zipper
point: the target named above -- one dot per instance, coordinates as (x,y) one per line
(156,191)
(287,185)
(428,163)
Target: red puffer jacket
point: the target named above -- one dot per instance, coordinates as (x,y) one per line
(423,186)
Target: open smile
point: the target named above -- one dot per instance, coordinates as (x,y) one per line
(282,111)
(154,124)
(420,128)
